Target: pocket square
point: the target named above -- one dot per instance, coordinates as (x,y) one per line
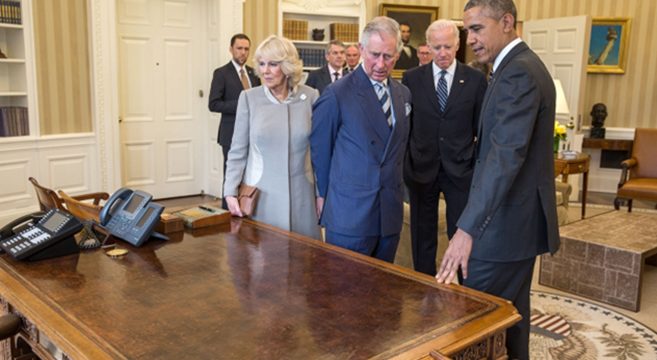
(408,108)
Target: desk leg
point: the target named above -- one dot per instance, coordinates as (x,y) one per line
(585,183)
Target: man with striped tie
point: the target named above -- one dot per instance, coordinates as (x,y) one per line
(357,143)
(447,97)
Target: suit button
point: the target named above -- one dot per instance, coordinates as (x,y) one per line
(372,142)
(442,138)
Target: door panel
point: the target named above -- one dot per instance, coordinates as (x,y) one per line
(160,66)
(561,43)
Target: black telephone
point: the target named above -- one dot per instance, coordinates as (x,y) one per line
(130,215)
(52,236)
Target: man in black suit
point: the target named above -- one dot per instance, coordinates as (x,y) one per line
(332,71)
(228,82)
(440,151)
(511,215)
(408,55)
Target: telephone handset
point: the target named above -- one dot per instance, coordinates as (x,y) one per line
(20,223)
(52,236)
(130,215)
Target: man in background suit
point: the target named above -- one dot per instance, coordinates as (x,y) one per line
(408,55)
(228,82)
(424,54)
(510,217)
(441,144)
(332,71)
(352,54)
(357,143)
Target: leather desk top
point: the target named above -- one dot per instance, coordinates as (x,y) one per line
(255,292)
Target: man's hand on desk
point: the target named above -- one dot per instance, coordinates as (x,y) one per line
(456,255)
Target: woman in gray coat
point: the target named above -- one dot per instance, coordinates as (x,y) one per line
(270,148)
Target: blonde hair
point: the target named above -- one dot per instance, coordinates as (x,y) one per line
(280,49)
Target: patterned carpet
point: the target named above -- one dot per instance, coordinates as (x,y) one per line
(565,328)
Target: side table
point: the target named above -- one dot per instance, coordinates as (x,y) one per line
(579,164)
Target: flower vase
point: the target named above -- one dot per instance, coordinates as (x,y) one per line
(555,145)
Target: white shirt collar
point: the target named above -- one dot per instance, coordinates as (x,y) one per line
(384,82)
(505,51)
(237,66)
(291,94)
(451,69)
(332,70)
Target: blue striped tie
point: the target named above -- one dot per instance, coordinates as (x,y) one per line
(384,100)
(441,90)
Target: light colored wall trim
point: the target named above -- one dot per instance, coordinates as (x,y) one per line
(105,108)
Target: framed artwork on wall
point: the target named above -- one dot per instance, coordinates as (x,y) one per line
(418,18)
(608,46)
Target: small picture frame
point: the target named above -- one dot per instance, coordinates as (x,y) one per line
(608,45)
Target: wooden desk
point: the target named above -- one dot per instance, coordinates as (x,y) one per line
(256,292)
(579,165)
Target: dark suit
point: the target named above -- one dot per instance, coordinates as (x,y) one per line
(224,92)
(440,155)
(357,160)
(321,78)
(511,211)
(407,62)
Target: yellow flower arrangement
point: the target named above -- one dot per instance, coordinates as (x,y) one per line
(559,134)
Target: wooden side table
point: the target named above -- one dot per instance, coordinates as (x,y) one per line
(576,165)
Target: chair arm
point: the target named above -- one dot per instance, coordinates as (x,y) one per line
(626,165)
(96,197)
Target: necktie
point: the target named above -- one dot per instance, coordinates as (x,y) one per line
(336,75)
(384,100)
(490,77)
(244,80)
(441,90)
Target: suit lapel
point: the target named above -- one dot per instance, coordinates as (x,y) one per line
(491,85)
(430,87)
(234,76)
(370,105)
(252,76)
(457,85)
(399,107)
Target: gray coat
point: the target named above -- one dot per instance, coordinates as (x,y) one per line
(270,150)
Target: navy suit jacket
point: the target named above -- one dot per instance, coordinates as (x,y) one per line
(511,211)
(443,139)
(320,78)
(357,158)
(224,92)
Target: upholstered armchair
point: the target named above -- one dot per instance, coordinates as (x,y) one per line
(639,172)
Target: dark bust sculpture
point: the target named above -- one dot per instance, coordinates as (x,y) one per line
(598,116)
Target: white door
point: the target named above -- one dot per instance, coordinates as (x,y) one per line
(562,44)
(162,67)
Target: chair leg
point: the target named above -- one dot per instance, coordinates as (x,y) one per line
(617,203)
(629,205)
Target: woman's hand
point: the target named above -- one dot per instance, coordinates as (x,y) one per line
(234,206)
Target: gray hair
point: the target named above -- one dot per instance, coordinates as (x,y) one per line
(441,25)
(336,43)
(495,8)
(280,49)
(382,24)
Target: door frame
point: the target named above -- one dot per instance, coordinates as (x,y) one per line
(227,18)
